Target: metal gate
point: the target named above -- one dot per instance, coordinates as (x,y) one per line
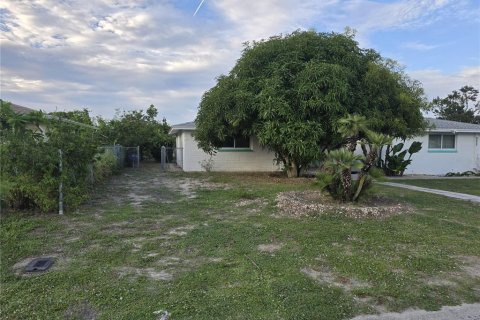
(171,158)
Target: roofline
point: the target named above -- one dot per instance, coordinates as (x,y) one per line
(455,130)
(178,129)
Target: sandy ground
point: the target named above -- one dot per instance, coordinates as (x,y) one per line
(462,312)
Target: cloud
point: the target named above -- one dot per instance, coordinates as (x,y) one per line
(108,54)
(439,84)
(373,15)
(419,46)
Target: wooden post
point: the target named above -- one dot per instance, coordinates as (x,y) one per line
(60,186)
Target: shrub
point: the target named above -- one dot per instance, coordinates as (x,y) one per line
(29,160)
(104,166)
(336,175)
(395,162)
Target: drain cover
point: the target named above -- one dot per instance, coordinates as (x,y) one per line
(39,265)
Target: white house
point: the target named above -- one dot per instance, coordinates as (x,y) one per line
(237,155)
(448,146)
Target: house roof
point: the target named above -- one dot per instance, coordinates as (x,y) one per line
(24,110)
(438,125)
(20,109)
(447,125)
(188,126)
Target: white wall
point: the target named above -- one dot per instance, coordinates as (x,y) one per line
(466,157)
(256,160)
(179,150)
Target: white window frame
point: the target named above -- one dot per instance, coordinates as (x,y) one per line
(441,141)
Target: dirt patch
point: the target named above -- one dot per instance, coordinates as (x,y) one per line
(146,186)
(311,203)
(270,247)
(181,231)
(81,311)
(325,275)
(470,265)
(157,275)
(461,312)
(169,261)
(260,202)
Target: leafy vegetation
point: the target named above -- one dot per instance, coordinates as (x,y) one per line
(30,158)
(290,91)
(463,174)
(415,260)
(138,128)
(459,105)
(336,173)
(395,162)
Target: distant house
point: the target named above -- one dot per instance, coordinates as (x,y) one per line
(238,154)
(42,127)
(448,146)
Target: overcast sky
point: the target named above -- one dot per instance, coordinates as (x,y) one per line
(118,54)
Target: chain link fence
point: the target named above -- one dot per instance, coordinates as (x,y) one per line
(125,156)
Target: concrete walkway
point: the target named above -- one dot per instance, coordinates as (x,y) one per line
(450,194)
(462,312)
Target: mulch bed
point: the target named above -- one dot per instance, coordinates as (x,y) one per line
(312,203)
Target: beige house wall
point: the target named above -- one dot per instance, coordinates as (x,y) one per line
(254,159)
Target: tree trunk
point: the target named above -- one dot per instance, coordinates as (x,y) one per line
(347,184)
(292,172)
(293,169)
(369,161)
(351,144)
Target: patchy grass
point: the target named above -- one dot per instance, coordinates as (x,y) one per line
(213,246)
(467,185)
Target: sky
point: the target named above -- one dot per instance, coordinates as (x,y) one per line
(108,55)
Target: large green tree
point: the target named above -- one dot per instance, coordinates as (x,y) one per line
(290,91)
(461,105)
(138,128)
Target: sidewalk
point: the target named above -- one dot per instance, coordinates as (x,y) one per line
(462,312)
(450,194)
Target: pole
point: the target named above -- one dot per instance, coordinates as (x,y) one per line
(163,157)
(138,156)
(60,186)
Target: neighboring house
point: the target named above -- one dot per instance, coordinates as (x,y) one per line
(449,146)
(238,154)
(42,127)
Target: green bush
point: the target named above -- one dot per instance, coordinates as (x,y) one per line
(104,166)
(336,175)
(29,160)
(395,161)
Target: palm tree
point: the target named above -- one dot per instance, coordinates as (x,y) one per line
(351,128)
(374,141)
(340,162)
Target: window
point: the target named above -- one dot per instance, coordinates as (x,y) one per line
(441,141)
(237,142)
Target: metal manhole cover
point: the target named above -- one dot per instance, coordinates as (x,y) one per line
(39,264)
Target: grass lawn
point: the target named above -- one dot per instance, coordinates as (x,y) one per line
(469,185)
(215,247)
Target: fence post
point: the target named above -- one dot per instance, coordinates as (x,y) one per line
(138,156)
(60,186)
(163,157)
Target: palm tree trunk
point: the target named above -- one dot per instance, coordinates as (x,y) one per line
(347,184)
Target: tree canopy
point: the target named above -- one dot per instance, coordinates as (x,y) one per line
(459,105)
(138,128)
(290,91)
